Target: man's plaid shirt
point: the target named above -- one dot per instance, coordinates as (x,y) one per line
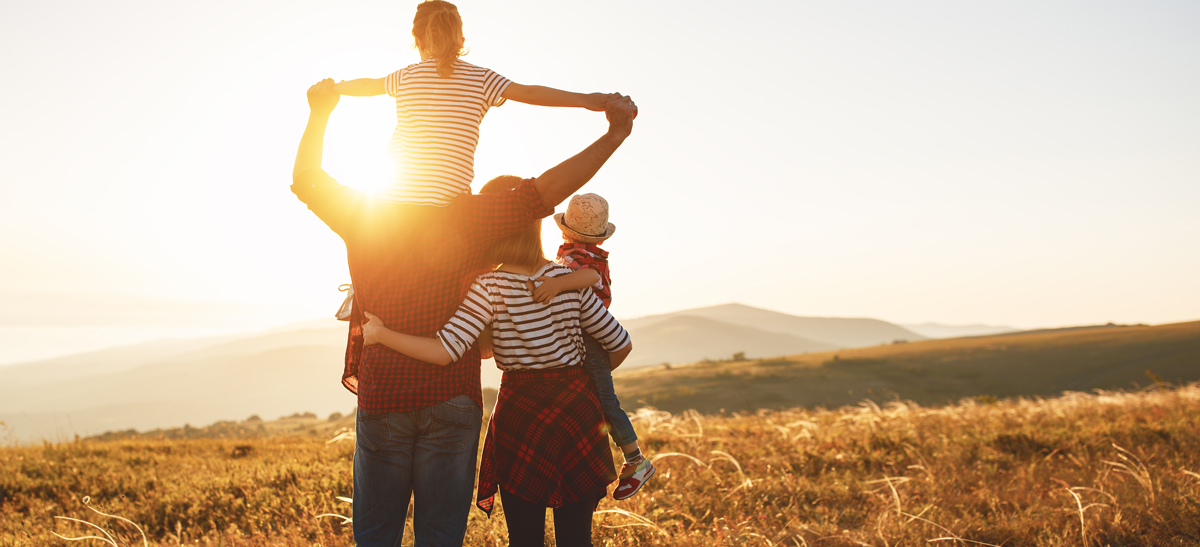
(591,256)
(412,265)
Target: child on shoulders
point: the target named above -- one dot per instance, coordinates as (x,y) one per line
(440,102)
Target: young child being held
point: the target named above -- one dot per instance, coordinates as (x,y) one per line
(585,226)
(440,103)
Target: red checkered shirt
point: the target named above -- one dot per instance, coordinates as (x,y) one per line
(411,265)
(591,256)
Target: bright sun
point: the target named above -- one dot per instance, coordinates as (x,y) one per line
(356,142)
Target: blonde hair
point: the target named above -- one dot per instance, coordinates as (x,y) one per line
(523,248)
(438,27)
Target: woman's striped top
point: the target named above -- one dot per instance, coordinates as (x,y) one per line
(526,334)
(432,150)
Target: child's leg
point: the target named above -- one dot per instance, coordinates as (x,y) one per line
(599,368)
(637,469)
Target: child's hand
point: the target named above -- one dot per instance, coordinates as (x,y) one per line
(546,292)
(596,101)
(371,329)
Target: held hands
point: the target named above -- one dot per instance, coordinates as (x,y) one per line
(322,97)
(620,111)
(372,329)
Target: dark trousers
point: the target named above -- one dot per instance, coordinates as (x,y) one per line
(527,522)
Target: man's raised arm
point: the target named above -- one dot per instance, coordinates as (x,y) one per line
(333,203)
(566,178)
(321,100)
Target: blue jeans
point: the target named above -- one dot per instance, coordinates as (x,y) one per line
(427,454)
(598,366)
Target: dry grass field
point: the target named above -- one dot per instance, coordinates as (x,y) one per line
(1108,468)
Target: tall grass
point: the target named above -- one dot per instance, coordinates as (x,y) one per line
(1107,468)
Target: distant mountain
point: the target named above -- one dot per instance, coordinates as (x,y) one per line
(685,338)
(1021,364)
(120,358)
(105,361)
(937,330)
(296,368)
(836,331)
(175,382)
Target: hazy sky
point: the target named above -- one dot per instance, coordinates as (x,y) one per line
(1021,163)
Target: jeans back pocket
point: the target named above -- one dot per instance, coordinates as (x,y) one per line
(456,422)
(371,430)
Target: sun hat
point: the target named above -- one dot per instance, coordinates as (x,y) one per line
(586,219)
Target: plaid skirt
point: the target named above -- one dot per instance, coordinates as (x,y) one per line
(546,441)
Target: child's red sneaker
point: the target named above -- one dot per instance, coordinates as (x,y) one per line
(633,476)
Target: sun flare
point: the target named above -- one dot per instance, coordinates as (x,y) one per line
(356,143)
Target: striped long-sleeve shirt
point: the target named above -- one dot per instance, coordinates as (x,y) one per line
(525,333)
(432,150)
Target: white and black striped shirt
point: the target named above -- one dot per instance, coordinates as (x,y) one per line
(432,150)
(526,334)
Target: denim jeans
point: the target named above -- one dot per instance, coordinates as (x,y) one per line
(598,366)
(428,455)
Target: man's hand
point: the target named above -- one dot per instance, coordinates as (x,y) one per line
(322,97)
(620,111)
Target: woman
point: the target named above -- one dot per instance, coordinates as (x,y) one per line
(546,444)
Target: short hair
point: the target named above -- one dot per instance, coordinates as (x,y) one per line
(523,248)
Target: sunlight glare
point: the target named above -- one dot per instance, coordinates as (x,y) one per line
(357,140)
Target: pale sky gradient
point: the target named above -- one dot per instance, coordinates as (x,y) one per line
(1021,163)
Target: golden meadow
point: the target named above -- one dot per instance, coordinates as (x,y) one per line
(1106,468)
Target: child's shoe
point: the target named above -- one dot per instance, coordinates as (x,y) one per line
(633,476)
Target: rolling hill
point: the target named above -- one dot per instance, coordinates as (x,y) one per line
(122,358)
(170,383)
(296,368)
(938,330)
(1041,363)
(841,332)
(686,338)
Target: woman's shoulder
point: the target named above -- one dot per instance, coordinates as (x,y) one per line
(554,269)
(498,277)
(491,276)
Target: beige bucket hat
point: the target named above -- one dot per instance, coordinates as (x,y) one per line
(586,219)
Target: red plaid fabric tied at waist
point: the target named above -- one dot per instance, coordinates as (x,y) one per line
(546,441)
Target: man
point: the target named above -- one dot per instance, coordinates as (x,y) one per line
(418,424)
